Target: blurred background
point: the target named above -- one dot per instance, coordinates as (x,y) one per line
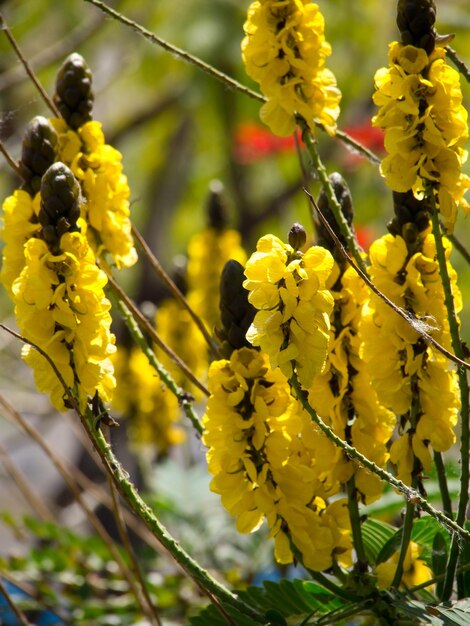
(179,130)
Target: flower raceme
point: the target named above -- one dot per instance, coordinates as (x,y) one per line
(59,299)
(288,289)
(284,50)
(425,123)
(263,454)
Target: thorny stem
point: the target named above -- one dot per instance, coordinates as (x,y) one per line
(464,410)
(183,398)
(145,513)
(409,493)
(418,325)
(174,290)
(28,69)
(221,76)
(217,592)
(334,205)
(147,328)
(71,484)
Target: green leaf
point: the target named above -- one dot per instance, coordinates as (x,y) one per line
(439,559)
(465,560)
(424,531)
(277,602)
(375,535)
(452,614)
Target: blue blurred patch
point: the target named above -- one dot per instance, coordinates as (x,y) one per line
(37,616)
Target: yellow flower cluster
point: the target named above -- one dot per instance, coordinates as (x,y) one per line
(343,392)
(20,223)
(208,251)
(61,307)
(403,369)
(284,50)
(98,168)
(141,396)
(425,123)
(292,324)
(267,460)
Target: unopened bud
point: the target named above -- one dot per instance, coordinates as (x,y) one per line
(297,236)
(74,96)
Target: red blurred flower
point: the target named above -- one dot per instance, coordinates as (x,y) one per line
(253,142)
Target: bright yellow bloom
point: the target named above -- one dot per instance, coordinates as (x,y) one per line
(269,462)
(415,570)
(425,123)
(61,307)
(292,324)
(208,252)
(402,368)
(20,223)
(98,168)
(141,396)
(344,392)
(284,50)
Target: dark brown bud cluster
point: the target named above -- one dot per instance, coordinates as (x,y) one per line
(236,312)
(343,195)
(39,151)
(415,20)
(411,217)
(217,212)
(73,92)
(60,205)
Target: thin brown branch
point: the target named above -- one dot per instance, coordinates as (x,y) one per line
(10,160)
(146,327)
(154,262)
(27,67)
(36,504)
(416,324)
(151,610)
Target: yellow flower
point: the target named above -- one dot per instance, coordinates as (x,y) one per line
(61,307)
(415,570)
(284,50)
(19,224)
(292,324)
(425,123)
(98,168)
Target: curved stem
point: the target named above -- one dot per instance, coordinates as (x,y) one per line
(410,494)
(183,397)
(145,513)
(459,64)
(443,486)
(464,410)
(312,147)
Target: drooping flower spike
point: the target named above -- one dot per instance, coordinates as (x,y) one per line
(59,299)
(284,50)
(288,287)
(96,165)
(421,112)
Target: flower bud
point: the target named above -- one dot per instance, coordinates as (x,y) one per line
(74,96)
(39,151)
(60,204)
(297,236)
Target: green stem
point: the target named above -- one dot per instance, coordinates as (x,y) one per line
(443,486)
(356,523)
(410,494)
(144,512)
(330,585)
(405,542)
(464,410)
(183,397)
(312,147)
